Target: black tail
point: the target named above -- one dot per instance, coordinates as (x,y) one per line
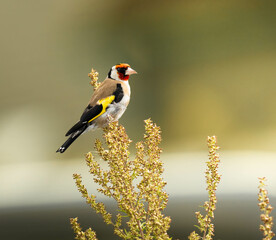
(70,140)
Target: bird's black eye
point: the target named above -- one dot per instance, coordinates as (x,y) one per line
(121,70)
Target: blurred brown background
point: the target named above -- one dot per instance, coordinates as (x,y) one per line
(205,68)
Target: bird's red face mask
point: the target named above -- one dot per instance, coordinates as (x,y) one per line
(124,71)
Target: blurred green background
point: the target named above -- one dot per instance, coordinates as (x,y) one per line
(205,68)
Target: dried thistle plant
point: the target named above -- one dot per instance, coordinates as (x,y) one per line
(94,79)
(266,209)
(212,180)
(136,185)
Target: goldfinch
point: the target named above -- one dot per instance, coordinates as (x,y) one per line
(110,99)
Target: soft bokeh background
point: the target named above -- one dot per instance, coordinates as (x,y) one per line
(205,68)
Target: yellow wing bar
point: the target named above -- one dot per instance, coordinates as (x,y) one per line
(104,102)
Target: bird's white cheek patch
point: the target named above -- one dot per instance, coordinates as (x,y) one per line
(114,74)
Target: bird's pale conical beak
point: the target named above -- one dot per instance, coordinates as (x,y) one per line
(130,71)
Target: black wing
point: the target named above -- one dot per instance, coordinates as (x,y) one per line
(88,114)
(91,112)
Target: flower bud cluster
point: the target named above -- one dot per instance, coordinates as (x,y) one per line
(266,209)
(94,78)
(80,235)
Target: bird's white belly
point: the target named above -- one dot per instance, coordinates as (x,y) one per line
(115,110)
